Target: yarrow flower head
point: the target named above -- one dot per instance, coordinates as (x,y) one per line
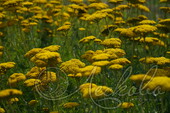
(15,78)
(161,82)
(90,90)
(70,104)
(7,93)
(126,105)
(144,29)
(87,39)
(4,67)
(155,60)
(43,57)
(98,5)
(112,42)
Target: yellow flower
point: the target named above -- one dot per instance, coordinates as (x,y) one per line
(90,70)
(64,28)
(48,76)
(6,93)
(101,63)
(15,78)
(126,32)
(140,77)
(35,72)
(4,67)
(52,48)
(115,66)
(40,63)
(159,72)
(97,40)
(88,55)
(32,52)
(1,34)
(98,5)
(44,55)
(75,75)
(78,8)
(148,60)
(97,16)
(112,42)
(163,35)
(1,49)
(92,1)
(157,60)
(65,16)
(27,3)
(12,100)
(165,21)
(40,1)
(153,41)
(136,20)
(108,10)
(45,109)
(168,52)
(147,22)
(161,82)
(55,2)
(45,58)
(82,29)
(13,3)
(118,52)
(92,90)
(123,7)
(54,112)
(102,56)
(76,1)
(120,61)
(1,53)
(87,85)
(72,66)
(70,105)
(33,102)
(126,105)
(144,29)
(164,1)
(2,110)
(143,8)
(87,39)
(119,20)
(115,1)
(32,82)
(7,65)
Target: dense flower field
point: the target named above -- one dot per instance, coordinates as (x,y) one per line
(84,56)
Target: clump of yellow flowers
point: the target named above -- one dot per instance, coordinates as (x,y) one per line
(13,100)
(2,110)
(76,68)
(91,90)
(126,105)
(4,67)
(144,29)
(15,78)
(158,82)
(107,57)
(7,93)
(70,104)
(155,60)
(112,42)
(44,57)
(33,102)
(39,77)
